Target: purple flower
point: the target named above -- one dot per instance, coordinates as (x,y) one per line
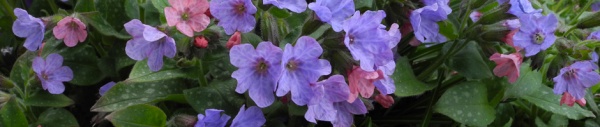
(213,118)
(595,6)
(301,67)
(594,35)
(424,21)
(253,117)
(346,111)
(29,27)
(51,73)
(258,71)
(536,33)
(502,1)
(297,6)
(443,4)
(333,12)
(512,24)
(148,42)
(575,78)
(327,92)
(106,87)
(234,15)
(522,7)
(386,85)
(368,41)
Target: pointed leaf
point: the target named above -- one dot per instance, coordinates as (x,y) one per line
(12,115)
(544,98)
(125,94)
(45,99)
(406,82)
(468,61)
(142,115)
(57,117)
(467,103)
(218,95)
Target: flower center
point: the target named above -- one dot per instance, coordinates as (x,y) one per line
(351,39)
(262,66)
(185,16)
(292,65)
(44,76)
(240,8)
(570,74)
(73,25)
(539,38)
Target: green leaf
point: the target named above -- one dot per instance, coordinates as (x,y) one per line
(12,115)
(96,20)
(85,6)
(138,116)
(45,99)
(468,61)
(82,59)
(448,29)
(219,95)
(114,12)
(296,110)
(527,83)
(558,121)
(279,13)
(545,98)
(160,5)
(251,38)
(21,70)
(406,82)
(126,93)
(151,14)
(57,117)
(358,4)
(467,103)
(132,9)
(142,73)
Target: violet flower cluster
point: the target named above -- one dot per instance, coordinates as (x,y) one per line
(251,117)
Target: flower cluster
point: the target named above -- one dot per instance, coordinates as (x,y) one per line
(251,117)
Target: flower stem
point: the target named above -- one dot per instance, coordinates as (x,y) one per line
(8,9)
(202,78)
(432,101)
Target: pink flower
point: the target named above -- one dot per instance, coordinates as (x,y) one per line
(200,42)
(385,100)
(507,65)
(71,30)
(361,81)
(235,39)
(570,100)
(508,39)
(187,15)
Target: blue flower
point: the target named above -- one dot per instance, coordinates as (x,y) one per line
(595,6)
(368,41)
(29,27)
(234,15)
(213,118)
(253,117)
(301,67)
(258,70)
(522,7)
(575,78)
(297,6)
(346,111)
(536,33)
(333,12)
(386,85)
(424,22)
(51,73)
(327,92)
(106,87)
(148,42)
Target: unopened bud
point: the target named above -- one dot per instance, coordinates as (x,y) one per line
(200,42)
(495,15)
(589,21)
(182,120)
(235,39)
(6,83)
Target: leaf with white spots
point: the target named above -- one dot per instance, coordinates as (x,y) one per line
(125,94)
(218,95)
(142,73)
(468,61)
(528,82)
(45,99)
(12,115)
(57,117)
(545,98)
(467,103)
(142,115)
(406,82)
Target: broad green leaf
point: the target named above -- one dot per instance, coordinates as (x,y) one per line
(142,73)
(21,70)
(448,29)
(57,117)
(114,12)
(45,99)
(160,5)
(528,82)
(82,59)
(96,20)
(132,9)
(251,38)
(468,61)
(12,115)
(406,82)
(558,121)
(467,103)
(367,4)
(126,93)
(279,13)
(504,115)
(142,115)
(545,98)
(219,95)
(85,6)
(151,14)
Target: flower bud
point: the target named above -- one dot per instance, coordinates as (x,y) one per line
(182,120)
(200,42)
(495,15)
(589,21)
(235,39)
(6,83)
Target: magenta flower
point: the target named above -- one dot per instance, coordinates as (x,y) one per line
(536,33)
(346,111)
(253,117)
(258,71)
(29,27)
(301,67)
(51,73)
(71,30)
(575,78)
(148,42)
(297,6)
(333,12)
(327,92)
(187,15)
(106,87)
(213,118)
(234,15)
